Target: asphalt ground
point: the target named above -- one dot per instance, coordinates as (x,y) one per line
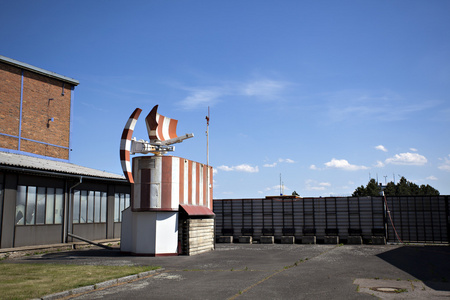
(276,271)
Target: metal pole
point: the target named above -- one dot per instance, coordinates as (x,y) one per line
(207,139)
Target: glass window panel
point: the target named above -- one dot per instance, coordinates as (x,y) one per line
(90,218)
(50,211)
(103,213)
(83,207)
(76,206)
(116,207)
(31,205)
(40,205)
(127,200)
(21,201)
(97,207)
(59,209)
(122,205)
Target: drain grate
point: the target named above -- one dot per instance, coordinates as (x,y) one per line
(388,289)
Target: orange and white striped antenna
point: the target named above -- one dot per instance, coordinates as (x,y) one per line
(162,132)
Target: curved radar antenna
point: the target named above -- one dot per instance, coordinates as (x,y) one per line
(125,144)
(162,132)
(160,128)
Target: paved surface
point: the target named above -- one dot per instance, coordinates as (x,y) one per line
(260,271)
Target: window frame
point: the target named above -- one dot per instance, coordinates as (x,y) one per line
(33,204)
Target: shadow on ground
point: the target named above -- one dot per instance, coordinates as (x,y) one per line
(430,264)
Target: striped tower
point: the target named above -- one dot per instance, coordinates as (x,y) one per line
(162,183)
(161,188)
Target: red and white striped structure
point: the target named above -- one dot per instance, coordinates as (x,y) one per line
(161,187)
(162,183)
(159,127)
(125,144)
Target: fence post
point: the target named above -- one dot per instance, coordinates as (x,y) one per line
(384,199)
(447,216)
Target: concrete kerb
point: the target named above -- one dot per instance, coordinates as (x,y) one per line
(99,286)
(26,250)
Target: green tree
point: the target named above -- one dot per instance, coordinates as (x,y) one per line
(402,188)
(371,189)
(428,190)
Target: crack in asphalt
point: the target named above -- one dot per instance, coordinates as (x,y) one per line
(295,264)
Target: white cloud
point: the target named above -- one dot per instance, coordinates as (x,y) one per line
(382,148)
(413,149)
(286,160)
(280,160)
(344,165)
(207,96)
(431,178)
(313,167)
(270,165)
(274,189)
(239,168)
(201,97)
(379,164)
(265,88)
(446,165)
(369,105)
(313,185)
(407,159)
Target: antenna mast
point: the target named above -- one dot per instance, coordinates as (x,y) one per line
(281,193)
(207,139)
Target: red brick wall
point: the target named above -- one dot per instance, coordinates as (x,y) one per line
(10,80)
(9,142)
(37,109)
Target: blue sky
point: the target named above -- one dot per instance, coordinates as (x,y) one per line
(325,93)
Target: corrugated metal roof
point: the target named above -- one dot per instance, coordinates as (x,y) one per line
(197,210)
(31,68)
(36,163)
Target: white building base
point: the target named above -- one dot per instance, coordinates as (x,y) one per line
(153,233)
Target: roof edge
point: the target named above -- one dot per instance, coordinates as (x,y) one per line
(34,69)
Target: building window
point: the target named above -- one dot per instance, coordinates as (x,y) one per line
(89,206)
(121,202)
(39,205)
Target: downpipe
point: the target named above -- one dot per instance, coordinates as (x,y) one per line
(68,219)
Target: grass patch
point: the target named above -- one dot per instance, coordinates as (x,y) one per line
(25,281)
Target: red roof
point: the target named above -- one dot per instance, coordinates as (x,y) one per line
(196,210)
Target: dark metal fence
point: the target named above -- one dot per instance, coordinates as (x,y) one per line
(416,219)
(422,219)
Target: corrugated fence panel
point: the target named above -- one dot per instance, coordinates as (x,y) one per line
(319,215)
(366,217)
(288,218)
(331,217)
(298,216)
(277,217)
(342,217)
(257,218)
(422,219)
(416,219)
(268,226)
(237,217)
(247,217)
(309,222)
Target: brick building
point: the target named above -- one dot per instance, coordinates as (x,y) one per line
(45,199)
(35,113)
